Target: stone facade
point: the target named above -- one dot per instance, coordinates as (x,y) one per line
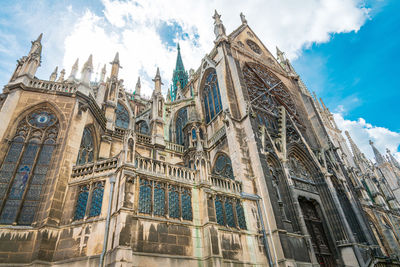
(240,166)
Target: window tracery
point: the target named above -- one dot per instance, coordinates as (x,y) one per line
(86,150)
(229,212)
(211,96)
(181,120)
(223,167)
(172,200)
(91,208)
(122,117)
(25,166)
(143,128)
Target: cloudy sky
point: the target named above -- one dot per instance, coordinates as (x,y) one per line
(343,49)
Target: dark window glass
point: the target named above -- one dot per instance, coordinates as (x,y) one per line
(122,115)
(219,211)
(24,168)
(97,199)
(230,219)
(205,100)
(186,204)
(143,128)
(181,120)
(211,96)
(159,199)
(86,150)
(81,204)
(223,167)
(173,200)
(240,215)
(145,196)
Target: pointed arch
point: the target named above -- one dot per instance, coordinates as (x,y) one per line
(210,94)
(223,166)
(87,149)
(180,122)
(121,116)
(25,165)
(143,127)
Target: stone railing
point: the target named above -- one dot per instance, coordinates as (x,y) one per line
(174,147)
(144,139)
(53,86)
(119,131)
(94,168)
(166,170)
(226,184)
(220,133)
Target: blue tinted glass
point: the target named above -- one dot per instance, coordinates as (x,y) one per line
(159,199)
(186,205)
(145,196)
(219,211)
(173,200)
(211,105)
(230,219)
(240,215)
(181,120)
(81,203)
(223,167)
(194,136)
(28,212)
(122,117)
(97,200)
(205,100)
(86,148)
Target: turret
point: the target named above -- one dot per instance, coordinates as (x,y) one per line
(378,156)
(53,75)
(115,66)
(74,71)
(28,65)
(138,87)
(157,83)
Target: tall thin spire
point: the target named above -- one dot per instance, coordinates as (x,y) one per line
(393,159)
(157,82)
(356,151)
(74,70)
(378,156)
(115,65)
(53,75)
(180,75)
(138,87)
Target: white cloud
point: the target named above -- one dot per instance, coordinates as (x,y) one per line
(132,28)
(361,132)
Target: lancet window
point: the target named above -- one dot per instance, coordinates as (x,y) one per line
(181,120)
(84,207)
(223,167)
(24,168)
(86,150)
(211,96)
(122,120)
(229,212)
(163,199)
(143,128)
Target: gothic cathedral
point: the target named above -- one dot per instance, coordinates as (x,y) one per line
(238,165)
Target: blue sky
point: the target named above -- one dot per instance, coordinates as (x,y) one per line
(344,50)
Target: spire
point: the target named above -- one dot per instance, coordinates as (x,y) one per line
(39,39)
(103,73)
(115,65)
(179,75)
(157,82)
(378,157)
(36,48)
(62,74)
(243,18)
(356,151)
(219,29)
(87,70)
(53,75)
(137,87)
(74,70)
(393,159)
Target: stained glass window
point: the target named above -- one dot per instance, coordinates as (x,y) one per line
(240,215)
(219,211)
(159,199)
(211,96)
(181,120)
(230,219)
(86,150)
(97,199)
(81,203)
(145,196)
(24,168)
(143,128)
(186,200)
(223,166)
(194,136)
(173,200)
(122,115)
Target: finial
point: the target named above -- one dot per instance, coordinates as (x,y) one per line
(219,29)
(39,39)
(62,74)
(179,48)
(116,58)
(216,17)
(243,18)
(103,73)
(371,143)
(53,75)
(88,63)
(137,87)
(158,76)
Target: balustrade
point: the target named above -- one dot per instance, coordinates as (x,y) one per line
(144,139)
(53,86)
(175,147)
(226,184)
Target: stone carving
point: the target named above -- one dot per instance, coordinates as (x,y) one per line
(253,46)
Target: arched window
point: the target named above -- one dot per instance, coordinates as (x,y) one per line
(194,136)
(122,120)
(211,96)
(97,199)
(181,120)
(159,199)
(25,166)
(173,200)
(223,167)
(143,128)
(186,204)
(86,150)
